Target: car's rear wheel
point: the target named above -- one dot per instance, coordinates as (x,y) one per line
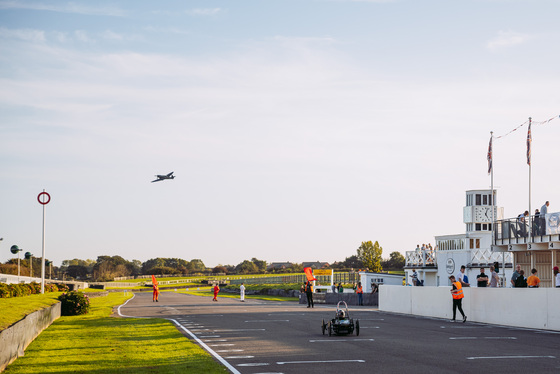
(357,328)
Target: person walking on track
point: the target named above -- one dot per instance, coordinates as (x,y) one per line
(457,293)
(216,290)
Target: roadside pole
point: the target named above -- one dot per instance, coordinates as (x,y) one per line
(46,198)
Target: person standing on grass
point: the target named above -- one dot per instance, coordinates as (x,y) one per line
(457,293)
(216,290)
(242,292)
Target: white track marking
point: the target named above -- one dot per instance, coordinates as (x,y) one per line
(200,342)
(270,320)
(507,357)
(255,364)
(236,357)
(319,362)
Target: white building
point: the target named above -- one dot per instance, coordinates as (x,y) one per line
(473,249)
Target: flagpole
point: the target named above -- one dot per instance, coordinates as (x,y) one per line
(529,140)
(492,188)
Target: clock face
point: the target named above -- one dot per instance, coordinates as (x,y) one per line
(483,214)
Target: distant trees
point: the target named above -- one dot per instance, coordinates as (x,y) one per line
(396,261)
(370,255)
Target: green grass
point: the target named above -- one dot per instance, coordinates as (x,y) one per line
(15,308)
(97,343)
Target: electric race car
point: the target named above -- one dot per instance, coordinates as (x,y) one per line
(341,324)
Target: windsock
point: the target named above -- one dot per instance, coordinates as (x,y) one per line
(309,274)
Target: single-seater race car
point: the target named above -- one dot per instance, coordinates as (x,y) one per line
(341,324)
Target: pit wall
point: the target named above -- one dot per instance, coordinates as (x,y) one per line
(17,337)
(499,306)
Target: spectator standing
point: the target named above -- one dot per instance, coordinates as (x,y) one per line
(533,281)
(414,277)
(556,276)
(544,211)
(360,292)
(482,279)
(494,278)
(340,288)
(515,275)
(457,294)
(309,293)
(462,278)
(242,292)
(521,282)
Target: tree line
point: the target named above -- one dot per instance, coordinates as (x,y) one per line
(106,268)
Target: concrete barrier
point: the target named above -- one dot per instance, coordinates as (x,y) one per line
(537,308)
(17,337)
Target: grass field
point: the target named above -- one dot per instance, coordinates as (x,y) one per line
(209,293)
(15,308)
(98,343)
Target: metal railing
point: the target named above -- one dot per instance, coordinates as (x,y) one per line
(422,258)
(516,230)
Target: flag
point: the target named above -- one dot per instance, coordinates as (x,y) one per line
(309,273)
(529,139)
(154,281)
(489,156)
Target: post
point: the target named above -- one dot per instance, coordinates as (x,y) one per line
(529,141)
(493,241)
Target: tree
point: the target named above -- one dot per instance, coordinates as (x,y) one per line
(196,266)
(370,255)
(246,267)
(396,261)
(261,265)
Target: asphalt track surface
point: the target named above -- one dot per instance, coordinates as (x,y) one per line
(285,337)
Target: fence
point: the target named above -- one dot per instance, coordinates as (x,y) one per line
(299,278)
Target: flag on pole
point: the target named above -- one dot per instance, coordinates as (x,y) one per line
(309,273)
(529,139)
(489,156)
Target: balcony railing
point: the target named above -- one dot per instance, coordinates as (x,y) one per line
(516,230)
(422,258)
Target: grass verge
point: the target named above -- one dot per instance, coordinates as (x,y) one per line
(15,308)
(97,343)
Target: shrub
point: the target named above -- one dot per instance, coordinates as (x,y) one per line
(62,287)
(34,288)
(5,291)
(74,303)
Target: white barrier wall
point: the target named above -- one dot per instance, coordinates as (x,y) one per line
(537,308)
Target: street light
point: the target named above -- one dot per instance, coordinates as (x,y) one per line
(49,264)
(15,249)
(29,256)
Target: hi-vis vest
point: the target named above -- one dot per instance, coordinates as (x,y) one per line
(360,290)
(459,291)
(308,287)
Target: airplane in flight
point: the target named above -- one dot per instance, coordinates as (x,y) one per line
(164,177)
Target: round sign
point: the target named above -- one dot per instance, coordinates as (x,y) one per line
(14,249)
(450,266)
(44,202)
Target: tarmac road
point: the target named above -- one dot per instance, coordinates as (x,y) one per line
(284,337)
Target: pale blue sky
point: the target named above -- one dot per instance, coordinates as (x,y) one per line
(296,129)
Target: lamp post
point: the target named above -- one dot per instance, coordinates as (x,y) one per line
(15,249)
(29,256)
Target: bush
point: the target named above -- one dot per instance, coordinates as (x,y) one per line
(74,303)
(62,287)
(5,291)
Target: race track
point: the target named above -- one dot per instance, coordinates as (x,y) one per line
(285,337)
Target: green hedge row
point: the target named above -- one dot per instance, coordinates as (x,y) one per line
(25,289)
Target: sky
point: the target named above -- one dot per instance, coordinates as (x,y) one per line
(296,129)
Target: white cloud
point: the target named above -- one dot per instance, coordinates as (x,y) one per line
(30,35)
(68,7)
(203,11)
(507,39)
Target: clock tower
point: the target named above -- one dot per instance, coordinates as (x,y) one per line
(477,214)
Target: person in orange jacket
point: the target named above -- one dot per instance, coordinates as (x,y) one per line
(360,292)
(216,290)
(457,293)
(156,293)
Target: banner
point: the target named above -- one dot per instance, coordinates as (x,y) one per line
(323,272)
(309,273)
(552,223)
